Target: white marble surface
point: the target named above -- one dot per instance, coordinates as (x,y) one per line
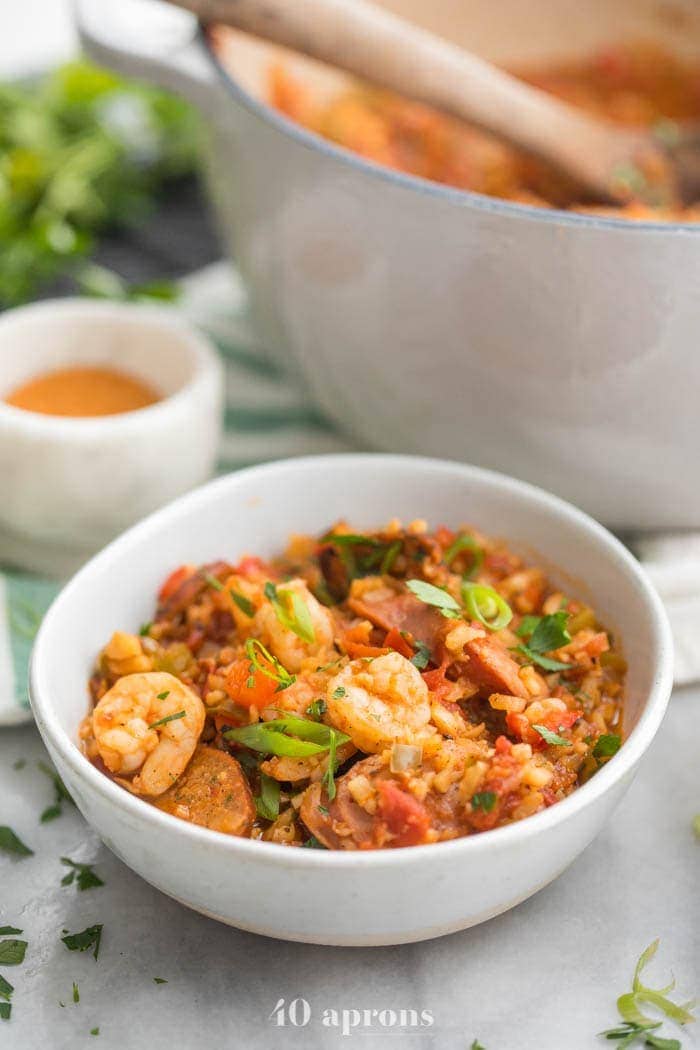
(543,977)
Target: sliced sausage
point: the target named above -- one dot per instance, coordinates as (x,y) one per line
(492,667)
(403,612)
(399,819)
(191,587)
(213,792)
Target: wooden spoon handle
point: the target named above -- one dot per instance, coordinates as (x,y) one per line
(372,43)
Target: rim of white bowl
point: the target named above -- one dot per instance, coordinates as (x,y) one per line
(613,771)
(427,187)
(204,360)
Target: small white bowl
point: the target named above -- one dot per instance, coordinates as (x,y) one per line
(345,898)
(70,485)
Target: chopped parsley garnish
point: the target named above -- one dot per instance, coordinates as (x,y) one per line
(6,989)
(316,709)
(145,628)
(551,737)
(323,810)
(85,940)
(271,665)
(484,800)
(636,1027)
(421,657)
(164,695)
(696,825)
(94,1031)
(61,794)
(5,930)
(435,596)
(10,843)
(291,610)
(167,718)
(339,693)
(476,1045)
(76,993)
(12,952)
(84,875)
(243,603)
(267,803)
(363,554)
(19,764)
(547,633)
(159,980)
(213,582)
(312,843)
(5,1011)
(607,745)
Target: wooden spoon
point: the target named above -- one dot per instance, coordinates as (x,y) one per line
(613,163)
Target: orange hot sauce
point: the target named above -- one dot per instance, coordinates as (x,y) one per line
(83,392)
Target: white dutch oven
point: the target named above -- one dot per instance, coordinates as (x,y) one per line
(559,347)
(360,897)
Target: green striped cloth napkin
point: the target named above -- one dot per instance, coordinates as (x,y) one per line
(268,416)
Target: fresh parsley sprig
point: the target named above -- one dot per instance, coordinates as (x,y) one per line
(547,633)
(84,875)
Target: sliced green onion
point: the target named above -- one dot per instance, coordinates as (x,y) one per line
(486,605)
(271,742)
(278,673)
(329,775)
(292,611)
(390,557)
(243,603)
(435,596)
(213,582)
(290,736)
(461,543)
(305,729)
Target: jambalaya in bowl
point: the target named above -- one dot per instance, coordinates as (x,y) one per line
(364,690)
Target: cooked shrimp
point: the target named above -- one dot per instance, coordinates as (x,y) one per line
(379,703)
(129,739)
(284,643)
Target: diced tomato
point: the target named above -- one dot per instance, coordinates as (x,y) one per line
(355,642)
(437,683)
(444,536)
(405,817)
(556,722)
(253,568)
(395,640)
(503,745)
(519,727)
(248,686)
(598,644)
(174,580)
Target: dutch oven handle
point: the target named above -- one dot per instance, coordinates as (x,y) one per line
(151,41)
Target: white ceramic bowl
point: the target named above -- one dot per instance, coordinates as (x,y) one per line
(427,319)
(383,897)
(70,485)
